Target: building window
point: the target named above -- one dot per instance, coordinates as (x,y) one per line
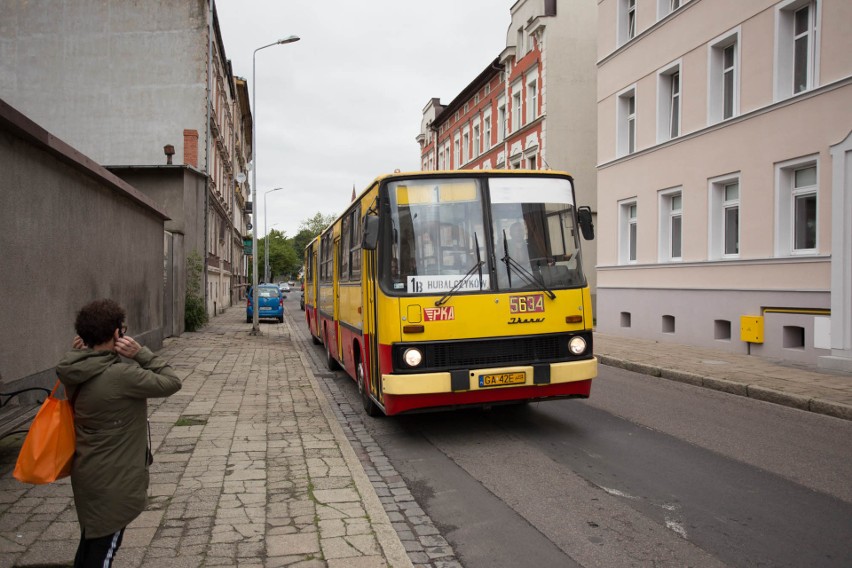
(520,43)
(486,132)
(531,162)
(628,232)
(671,225)
(725,217)
(532,99)
(797,47)
(517,114)
(456,152)
(465,147)
(626,20)
(476,141)
(724,78)
(488,89)
(669,103)
(627,122)
(501,119)
(666,7)
(797,198)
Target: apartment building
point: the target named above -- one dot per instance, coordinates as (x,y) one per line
(532,107)
(724,175)
(144,88)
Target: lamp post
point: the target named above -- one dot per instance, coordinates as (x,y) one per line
(266,237)
(254,319)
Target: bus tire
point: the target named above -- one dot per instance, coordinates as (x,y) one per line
(315,339)
(369,406)
(330,361)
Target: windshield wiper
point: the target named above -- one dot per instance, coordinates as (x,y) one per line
(525,274)
(475,267)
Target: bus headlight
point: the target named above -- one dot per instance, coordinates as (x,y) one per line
(412,357)
(577,345)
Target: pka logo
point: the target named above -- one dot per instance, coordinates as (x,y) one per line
(444,313)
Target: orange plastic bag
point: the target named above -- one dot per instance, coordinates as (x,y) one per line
(48,449)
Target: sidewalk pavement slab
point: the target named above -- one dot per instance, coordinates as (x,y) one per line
(251,469)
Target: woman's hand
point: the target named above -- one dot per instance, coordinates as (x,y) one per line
(127,347)
(78,343)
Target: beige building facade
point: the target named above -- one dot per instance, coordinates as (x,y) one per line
(724,175)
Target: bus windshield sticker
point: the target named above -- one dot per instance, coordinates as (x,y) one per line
(434,284)
(444,313)
(530,190)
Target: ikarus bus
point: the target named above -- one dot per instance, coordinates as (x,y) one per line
(451,289)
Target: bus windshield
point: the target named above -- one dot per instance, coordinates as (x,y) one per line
(447,235)
(535,240)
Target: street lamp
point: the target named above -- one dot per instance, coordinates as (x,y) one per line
(266,236)
(254,319)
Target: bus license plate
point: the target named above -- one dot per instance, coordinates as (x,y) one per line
(502,379)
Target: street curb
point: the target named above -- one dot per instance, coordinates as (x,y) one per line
(817,406)
(386,535)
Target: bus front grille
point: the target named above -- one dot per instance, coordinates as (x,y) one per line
(499,352)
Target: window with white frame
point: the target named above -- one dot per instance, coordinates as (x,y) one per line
(724,87)
(501,119)
(797,47)
(628,232)
(517,110)
(669,103)
(626,20)
(486,131)
(447,157)
(666,7)
(532,97)
(671,225)
(477,141)
(797,192)
(465,146)
(724,217)
(531,162)
(521,50)
(456,152)
(626,119)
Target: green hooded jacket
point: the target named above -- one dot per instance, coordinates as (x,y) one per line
(109,475)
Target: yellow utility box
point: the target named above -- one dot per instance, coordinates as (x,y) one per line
(751,329)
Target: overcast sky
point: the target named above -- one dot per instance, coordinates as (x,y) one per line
(343,105)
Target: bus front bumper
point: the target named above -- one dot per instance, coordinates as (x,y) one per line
(403,393)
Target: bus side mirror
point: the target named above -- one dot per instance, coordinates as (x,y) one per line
(584,217)
(370,232)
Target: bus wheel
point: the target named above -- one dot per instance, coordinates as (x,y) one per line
(369,406)
(315,339)
(330,361)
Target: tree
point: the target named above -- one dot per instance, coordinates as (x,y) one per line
(316,224)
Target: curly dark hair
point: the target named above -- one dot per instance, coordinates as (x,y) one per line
(97,321)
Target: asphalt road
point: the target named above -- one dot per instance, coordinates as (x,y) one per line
(645,472)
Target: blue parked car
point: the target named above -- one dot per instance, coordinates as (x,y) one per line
(270,303)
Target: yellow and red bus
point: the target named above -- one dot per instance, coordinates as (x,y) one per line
(450,289)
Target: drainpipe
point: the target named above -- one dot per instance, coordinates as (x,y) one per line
(207,152)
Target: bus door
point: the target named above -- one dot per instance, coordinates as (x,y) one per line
(335,294)
(369,276)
